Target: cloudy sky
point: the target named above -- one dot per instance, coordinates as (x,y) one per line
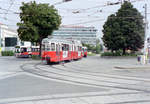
(76,12)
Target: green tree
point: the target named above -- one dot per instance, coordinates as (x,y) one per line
(37,22)
(124,30)
(98,47)
(95,49)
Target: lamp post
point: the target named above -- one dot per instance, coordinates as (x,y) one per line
(145,52)
(0,43)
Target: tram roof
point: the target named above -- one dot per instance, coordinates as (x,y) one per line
(55,40)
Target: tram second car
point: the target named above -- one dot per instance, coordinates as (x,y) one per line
(56,50)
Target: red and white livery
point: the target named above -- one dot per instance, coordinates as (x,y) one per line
(26,51)
(56,50)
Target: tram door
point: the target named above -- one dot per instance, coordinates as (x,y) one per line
(65,50)
(79,51)
(69,50)
(58,52)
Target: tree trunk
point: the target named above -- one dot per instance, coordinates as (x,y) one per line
(40,51)
(112,51)
(124,51)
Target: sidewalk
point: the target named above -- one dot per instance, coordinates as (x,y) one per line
(137,65)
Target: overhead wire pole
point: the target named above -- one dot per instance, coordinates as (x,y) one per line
(145,38)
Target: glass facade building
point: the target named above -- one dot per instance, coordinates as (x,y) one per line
(87,35)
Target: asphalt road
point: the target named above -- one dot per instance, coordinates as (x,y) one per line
(91,80)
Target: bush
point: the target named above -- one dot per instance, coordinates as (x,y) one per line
(91,54)
(7,53)
(111,54)
(130,54)
(118,53)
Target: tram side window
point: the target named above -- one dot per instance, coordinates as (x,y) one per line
(35,49)
(24,50)
(43,47)
(32,49)
(80,48)
(48,47)
(52,46)
(38,49)
(63,47)
(67,47)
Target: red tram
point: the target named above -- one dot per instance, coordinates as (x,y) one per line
(56,50)
(26,51)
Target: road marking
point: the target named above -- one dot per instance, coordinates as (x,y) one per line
(4,75)
(67,96)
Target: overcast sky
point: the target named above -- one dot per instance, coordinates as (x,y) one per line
(77,12)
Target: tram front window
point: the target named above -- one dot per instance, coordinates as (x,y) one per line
(17,50)
(23,50)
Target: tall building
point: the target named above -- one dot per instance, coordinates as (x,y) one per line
(87,35)
(8,38)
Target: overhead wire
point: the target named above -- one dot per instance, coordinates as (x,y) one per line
(79,11)
(75,10)
(105,5)
(87,22)
(11,4)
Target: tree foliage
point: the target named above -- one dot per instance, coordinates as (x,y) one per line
(95,49)
(37,21)
(124,30)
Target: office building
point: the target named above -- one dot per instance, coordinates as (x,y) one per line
(8,38)
(87,35)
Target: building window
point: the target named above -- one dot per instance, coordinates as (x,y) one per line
(10,42)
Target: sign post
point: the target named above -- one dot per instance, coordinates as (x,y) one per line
(145,40)
(0,51)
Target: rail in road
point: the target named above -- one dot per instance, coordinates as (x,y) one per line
(76,74)
(88,78)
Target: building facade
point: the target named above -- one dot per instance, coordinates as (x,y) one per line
(8,38)
(87,35)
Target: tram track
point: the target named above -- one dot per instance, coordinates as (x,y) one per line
(77,76)
(77,69)
(110,82)
(40,73)
(87,75)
